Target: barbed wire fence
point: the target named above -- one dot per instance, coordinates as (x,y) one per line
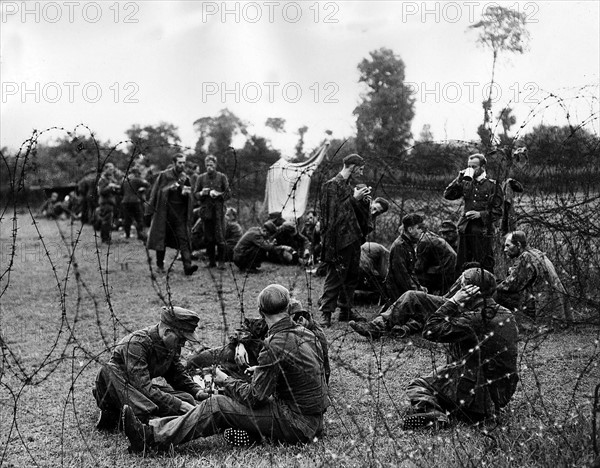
(66,299)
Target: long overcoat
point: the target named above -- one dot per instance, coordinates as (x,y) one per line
(158,235)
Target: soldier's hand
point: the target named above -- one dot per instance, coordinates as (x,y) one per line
(202,395)
(185,407)
(361,193)
(241,355)
(220,376)
(472,214)
(465,293)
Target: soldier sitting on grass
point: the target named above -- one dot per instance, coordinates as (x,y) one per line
(481,375)
(126,379)
(284,402)
(246,343)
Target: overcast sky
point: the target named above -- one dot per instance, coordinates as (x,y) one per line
(110,65)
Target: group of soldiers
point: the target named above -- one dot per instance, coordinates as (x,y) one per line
(186,210)
(271,380)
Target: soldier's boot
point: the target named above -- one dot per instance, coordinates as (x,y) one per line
(141,436)
(434,420)
(346,315)
(239,438)
(367,329)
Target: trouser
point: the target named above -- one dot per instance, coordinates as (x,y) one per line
(341,280)
(106,215)
(132,212)
(112,391)
(475,246)
(456,391)
(425,397)
(273,420)
(177,231)
(412,309)
(213,236)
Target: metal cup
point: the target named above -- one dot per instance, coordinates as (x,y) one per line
(468,174)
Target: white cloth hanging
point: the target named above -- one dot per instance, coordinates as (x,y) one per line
(288,185)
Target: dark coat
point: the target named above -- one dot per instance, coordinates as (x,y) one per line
(481,374)
(340,226)
(212,208)
(483,195)
(158,206)
(401,275)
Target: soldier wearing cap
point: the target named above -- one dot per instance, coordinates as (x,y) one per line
(284,402)
(481,375)
(483,200)
(342,236)
(449,232)
(251,250)
(126,379)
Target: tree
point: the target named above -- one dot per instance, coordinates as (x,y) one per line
(158,143)
(300,145)
(256,156)
(507,119)
(276,123)
(500,30)
(216,135)
(426,135)
(564,147)
(384,116)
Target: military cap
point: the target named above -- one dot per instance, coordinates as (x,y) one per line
(353,159)
(383,202)
(270,227)
(482,278)
(448,225)
(182,320)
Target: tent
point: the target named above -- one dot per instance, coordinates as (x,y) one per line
(288,184)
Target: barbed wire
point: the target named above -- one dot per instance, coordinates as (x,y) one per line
(82,304)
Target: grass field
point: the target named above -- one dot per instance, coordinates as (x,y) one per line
(61,310)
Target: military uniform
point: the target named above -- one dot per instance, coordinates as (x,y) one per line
(251,250)
(171,211)
(212,212)
(341,240)
(534,290)
(233,233)
(284,402)
(132,204)
(126,379)
(107,203)
(476,235)
(436,263)
(374,260)
(481,375)
(401,275)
